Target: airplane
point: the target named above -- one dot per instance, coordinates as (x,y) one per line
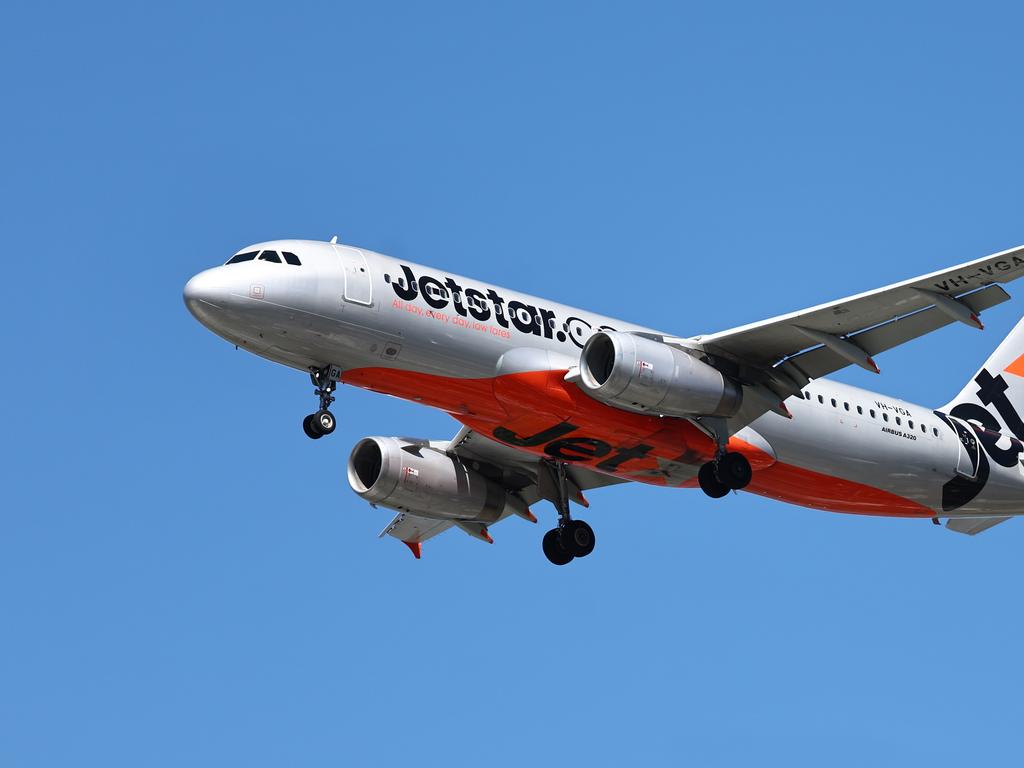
(555,401)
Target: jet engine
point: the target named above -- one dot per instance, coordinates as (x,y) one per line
(640,374)
(425,481)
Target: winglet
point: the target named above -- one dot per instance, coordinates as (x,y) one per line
(416,547)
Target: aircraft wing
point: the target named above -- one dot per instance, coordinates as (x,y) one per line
(511,468)
(816,341)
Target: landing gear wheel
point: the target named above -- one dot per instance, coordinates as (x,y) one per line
(308,428)
(323,422)
(578,538)
(553,549)
(734,471)
(709,482)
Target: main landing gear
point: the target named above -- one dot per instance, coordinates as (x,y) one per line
(572,538)
(727,472)
(321,423)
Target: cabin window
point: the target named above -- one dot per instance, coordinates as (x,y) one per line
(872,413)
(860,411)
(935,431)
(846,406)
(833,402)
(910,423)
(885,417)
(898,422)
(807,395)
(821,399)
(924,428)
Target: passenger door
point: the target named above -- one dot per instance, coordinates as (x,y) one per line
(358,286)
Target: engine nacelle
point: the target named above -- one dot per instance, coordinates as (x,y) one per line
(426,482)
(640,374)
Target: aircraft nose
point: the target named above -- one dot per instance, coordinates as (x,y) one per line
(203,293)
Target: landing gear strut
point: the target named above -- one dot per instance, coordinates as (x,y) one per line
(572,538)
(321,423)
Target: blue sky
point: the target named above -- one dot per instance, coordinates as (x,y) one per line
(186,579)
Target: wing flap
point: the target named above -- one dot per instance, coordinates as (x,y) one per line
(413,529)
(972,526)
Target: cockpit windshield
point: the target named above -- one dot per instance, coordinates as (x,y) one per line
(271,256)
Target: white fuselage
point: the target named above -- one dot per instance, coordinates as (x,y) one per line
(413,331)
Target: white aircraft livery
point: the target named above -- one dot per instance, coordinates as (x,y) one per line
(555,401)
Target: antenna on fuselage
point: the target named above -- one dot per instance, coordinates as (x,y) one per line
(334,239)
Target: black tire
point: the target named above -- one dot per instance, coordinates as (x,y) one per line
(578,537)
(309,429)
(709,483)
(553,549)
(734,471)
(324,422)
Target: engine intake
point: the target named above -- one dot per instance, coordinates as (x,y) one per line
(424,481)
(640,374)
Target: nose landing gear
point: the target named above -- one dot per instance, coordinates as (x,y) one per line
(321,423)
(572,538)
